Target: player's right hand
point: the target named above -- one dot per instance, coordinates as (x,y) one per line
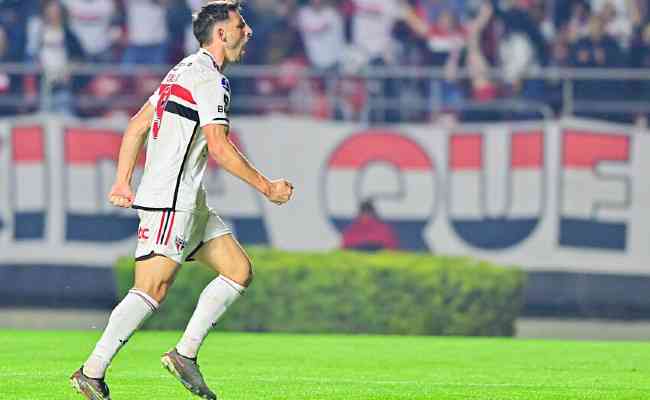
(281,191)
(121,195)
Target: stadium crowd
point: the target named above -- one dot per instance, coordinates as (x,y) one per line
(516,37)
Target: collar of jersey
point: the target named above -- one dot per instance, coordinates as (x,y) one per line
(214,62)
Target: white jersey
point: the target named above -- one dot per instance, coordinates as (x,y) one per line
(373,24)
(322,33)
(90,20)
(154,31)
(192,95)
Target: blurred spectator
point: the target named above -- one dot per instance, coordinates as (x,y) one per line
(598,50)
(103,97)
(368,232)
(516,37)
(444,36)
(10,85)
(430,10)
(146,28)
(372,28)
(92,21)
(446,40)
(517,57)
(373,44)
(450,89)
(560,57)
(443,25)
(640,50)
(195,5)
(321,28)
(617,17)
(578,25)
(284,40)
(275,37)
(53,46)
(541,13)
(640,58)
(13,20)
(521,49)
(519,19)
(560,51)
(190,44)
(350,98)
(621,16)
(482,86)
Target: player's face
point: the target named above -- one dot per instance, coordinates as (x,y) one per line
(238,34)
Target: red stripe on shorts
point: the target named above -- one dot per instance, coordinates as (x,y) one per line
(169,232)
(161,226)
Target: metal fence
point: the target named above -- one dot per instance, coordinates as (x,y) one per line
(375,95)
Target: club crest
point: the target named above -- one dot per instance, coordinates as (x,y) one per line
(180,244)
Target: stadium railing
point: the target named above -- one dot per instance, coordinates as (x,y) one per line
(377,94)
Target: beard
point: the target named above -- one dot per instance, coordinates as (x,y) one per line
(236,53)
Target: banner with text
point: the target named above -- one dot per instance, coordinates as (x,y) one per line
(565,195)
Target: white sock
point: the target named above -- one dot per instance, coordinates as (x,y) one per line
(214,300)
(124,320)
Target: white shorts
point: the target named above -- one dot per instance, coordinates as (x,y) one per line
(177,234)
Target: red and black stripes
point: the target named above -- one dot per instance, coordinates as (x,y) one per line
(182,111)
(165,228)
(169,231)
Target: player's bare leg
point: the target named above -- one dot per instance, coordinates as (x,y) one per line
(153,277)
(226,256)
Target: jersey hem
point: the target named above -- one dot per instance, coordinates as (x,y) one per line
(137,207)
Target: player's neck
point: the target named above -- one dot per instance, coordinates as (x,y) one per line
(218,56)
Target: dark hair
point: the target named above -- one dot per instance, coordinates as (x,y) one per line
(210,14)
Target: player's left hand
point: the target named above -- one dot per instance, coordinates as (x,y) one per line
(121,195)
(281,191)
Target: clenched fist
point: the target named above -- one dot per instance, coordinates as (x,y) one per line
(121,195)
(281,191)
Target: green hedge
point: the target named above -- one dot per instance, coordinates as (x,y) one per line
(351,292)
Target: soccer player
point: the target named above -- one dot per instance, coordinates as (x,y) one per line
(184,121)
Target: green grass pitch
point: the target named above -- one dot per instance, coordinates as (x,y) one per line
(36,365)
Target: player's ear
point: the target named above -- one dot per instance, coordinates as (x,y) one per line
(220,32)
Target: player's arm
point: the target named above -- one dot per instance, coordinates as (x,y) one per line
(212,99)
(132,142)
(232,160)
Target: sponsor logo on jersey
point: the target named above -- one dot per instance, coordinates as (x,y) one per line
(143,233)
(225,84)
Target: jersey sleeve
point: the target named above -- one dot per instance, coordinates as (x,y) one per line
(213,101)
